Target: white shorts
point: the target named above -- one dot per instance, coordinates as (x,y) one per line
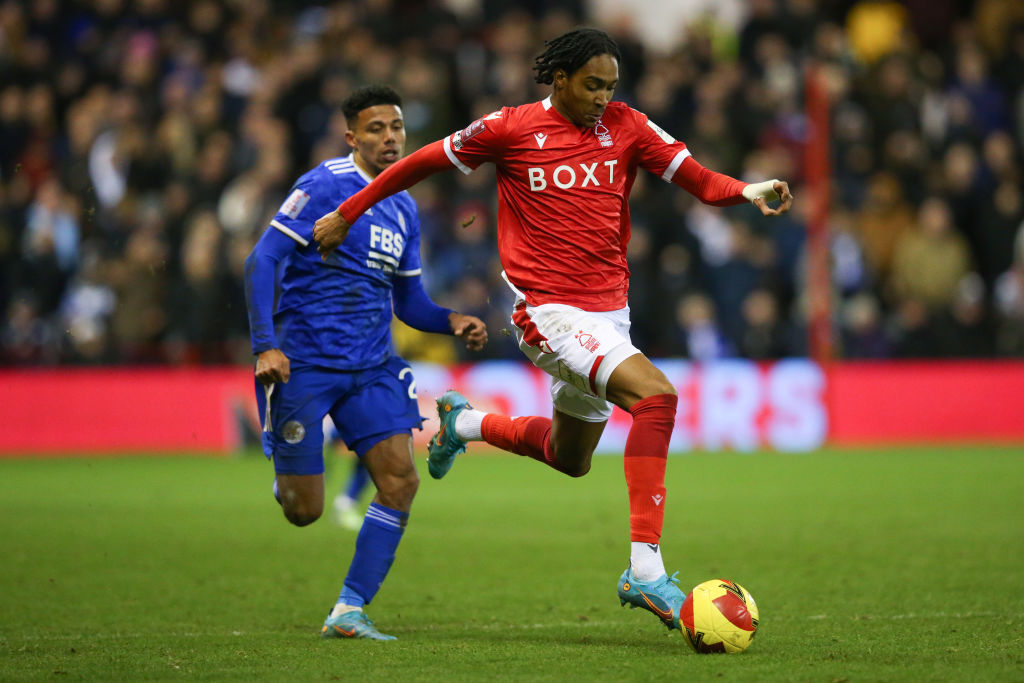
(579,349)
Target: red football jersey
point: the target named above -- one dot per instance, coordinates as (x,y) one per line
(563,191)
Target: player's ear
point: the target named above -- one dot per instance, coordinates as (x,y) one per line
(350,138)
(559,78)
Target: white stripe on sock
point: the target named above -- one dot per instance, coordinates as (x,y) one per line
(383,517)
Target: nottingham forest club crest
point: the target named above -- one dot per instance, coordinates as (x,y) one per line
(604,136)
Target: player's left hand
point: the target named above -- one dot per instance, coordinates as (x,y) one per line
(330,231)
(780,188)
(469,329)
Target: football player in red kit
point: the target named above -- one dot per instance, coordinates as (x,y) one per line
(565,167)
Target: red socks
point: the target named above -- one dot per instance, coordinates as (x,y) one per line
(529,436)
(644,462)
(646,456)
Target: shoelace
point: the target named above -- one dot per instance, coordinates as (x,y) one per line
(670,580)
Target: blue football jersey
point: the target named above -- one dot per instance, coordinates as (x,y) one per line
(338,313)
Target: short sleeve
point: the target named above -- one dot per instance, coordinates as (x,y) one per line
(310,198)
(660,153)
(479,142)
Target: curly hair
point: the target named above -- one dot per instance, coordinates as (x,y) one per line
(572,50)
(368,96)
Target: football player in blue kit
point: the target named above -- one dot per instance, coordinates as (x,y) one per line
(321,334)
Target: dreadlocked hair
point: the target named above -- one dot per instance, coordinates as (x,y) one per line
(572,50)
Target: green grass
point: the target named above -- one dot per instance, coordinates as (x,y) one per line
(866,565)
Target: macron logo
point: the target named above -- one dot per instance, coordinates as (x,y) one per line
(540,137)
(657,499)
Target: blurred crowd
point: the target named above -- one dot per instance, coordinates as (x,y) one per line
(145,144)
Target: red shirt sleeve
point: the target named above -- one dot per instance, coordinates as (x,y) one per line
(708,186)
(663,155)
(466,149)
(479,142)
(399,176)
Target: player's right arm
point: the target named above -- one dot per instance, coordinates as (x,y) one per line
(453,151)
(272,365)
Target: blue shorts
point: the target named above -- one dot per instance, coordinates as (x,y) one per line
(367,406)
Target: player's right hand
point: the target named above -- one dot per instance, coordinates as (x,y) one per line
(272,366)
(329,231)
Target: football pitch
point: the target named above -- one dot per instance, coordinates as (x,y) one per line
(876,565)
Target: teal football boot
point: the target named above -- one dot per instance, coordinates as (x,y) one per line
(662,596)
(354,624)
(446,444)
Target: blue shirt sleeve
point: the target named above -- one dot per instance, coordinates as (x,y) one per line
(260,286)
(415,308)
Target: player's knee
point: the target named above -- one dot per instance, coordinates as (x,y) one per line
(301,515)
(655,384)
(577,470)
(575,464)
(663,386)
(397,492)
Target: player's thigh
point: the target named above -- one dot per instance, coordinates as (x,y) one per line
(393,470)
(636,378)
(381,404)
(292,418)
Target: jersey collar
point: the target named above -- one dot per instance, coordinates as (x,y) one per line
(352,157)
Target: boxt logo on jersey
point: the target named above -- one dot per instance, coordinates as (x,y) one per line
(565,176)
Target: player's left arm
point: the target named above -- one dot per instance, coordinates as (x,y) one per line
(415,308)
(719,189)
(413,305)
(662,154)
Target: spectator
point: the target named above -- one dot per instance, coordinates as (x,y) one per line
(930,260)
(696,332)
(863,333)
(883,219)
(763,335)
(112,113)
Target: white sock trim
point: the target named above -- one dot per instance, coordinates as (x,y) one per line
(645,561)
(343,609)
(468,424)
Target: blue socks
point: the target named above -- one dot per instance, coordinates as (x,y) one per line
(375,552)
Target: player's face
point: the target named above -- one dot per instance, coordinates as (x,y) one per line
(377,136)
(583,96)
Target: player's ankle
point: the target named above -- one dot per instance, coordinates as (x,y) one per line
(340,609)
(645,561)
(468,424)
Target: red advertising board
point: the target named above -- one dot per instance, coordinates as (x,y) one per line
(792,405)
(926,402)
